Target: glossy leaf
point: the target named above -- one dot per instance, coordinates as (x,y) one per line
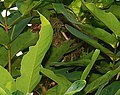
(101,80)
(111,89)
(30,65)
(100,34)
(90,41)
(7,80)
(4,90)
(4,37)
(77,86)
(19,27)
(90,65)
(61,9)
(107,18)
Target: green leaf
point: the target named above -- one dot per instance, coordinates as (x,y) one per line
(77,86)
(3,56)
(26,6)
(7,80)
(101,80)
(92,42)
(118,92)
(107,18)
(30,65)
(9,3)
(59,7)
(100,34)
(4,90)
(58,52)
(60,80)
(4,37)
(75,6)
(23,41)
(90,65)
(19,27)
(111,89)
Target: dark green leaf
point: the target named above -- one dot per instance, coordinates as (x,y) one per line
(4,37)
(111,89)
(8,3)
(19,27)
(107,18)
(92,42)
(99,81)
(59,7)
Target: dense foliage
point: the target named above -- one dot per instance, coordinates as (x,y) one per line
(69,47)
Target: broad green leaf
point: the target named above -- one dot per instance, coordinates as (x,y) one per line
(30,65)
(90,41)
(101,80)
(111,89)
(4,37)
(3,56)
(59,7)
(118,92)
(77,86)
(19,27)
(17,93)
(23,41)
(7,80)
(9,3)
(107,18)
(90,65)
(60,80)
(4,90)
(100,34)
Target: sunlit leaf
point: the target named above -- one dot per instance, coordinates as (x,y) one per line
(30,65)
(7,80)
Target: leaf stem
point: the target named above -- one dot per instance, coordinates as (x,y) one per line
(8,46)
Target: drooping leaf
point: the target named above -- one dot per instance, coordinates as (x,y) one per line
(7,80)
(91,42)
(77,86)
(100,34)
(19,27)
(4,37)
(59,7)
(111,89)
(30,65)
(4,90)
(90,65)
(101,80)
(107,18)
